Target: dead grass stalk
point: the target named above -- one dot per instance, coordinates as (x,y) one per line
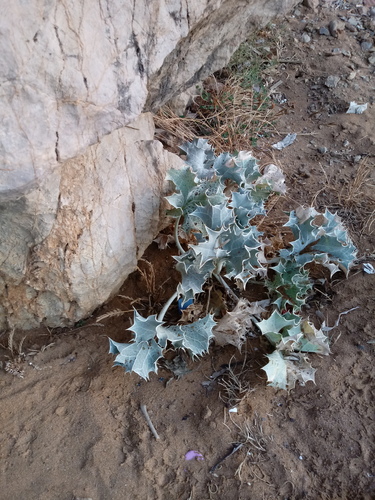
(230,115)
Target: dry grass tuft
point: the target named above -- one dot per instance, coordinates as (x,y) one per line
(148,275)
(15,364)
(235,384)
(236,105)
(253,440)
(354,201)
(229,114)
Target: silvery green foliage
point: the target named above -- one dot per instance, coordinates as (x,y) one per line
(327,243)
(150,339)
(215,201)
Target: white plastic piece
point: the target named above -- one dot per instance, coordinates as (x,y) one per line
(287,141)
(368,268)
(357,109)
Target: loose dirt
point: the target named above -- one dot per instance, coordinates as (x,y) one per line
(72,427)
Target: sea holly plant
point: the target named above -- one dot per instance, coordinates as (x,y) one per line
(214,205)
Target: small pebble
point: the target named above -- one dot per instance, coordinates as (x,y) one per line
(305,38)
(60,411)
(365,46)
(351,28)
(371,59)
(332,81)
(353,21)
(322,150)
(324,31)
(311,4)
(333,28)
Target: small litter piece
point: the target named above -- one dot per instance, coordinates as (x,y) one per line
(357,109)
(287,141)
(368,268)
(233,410)
(191,455)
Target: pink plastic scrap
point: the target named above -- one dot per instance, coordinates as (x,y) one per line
(190,455)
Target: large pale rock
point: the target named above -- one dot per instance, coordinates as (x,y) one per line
(84,229)
(73,76)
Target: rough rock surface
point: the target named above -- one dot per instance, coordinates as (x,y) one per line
(92,220)
(72,76)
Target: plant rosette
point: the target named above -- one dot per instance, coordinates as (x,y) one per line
(215,202)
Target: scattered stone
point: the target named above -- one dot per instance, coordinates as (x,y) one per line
(346,53)
(336,27)
(332,81)
(305,38)
(353,21)
(60,411)
(351,28)
(371,59)
(322,150)
(311,4)
(206,413)
(357,158)
(365,46)
(303,172)
(352,75)
(324,31)
(297,13)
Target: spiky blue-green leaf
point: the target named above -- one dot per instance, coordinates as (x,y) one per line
(215,217)
(193,274)
(212,248)
(194,337)
(200,157)
(290,285)
(329,239)
(144,328)
(246,161)
(138,357)
(183,179)
(227,169)
(276,323)
(245,207)
(239,246)
(251,268)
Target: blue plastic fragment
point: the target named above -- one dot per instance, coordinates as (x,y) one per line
(184,305)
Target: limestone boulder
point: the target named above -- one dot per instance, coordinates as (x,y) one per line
(81,178)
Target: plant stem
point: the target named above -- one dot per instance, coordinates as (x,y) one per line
(166,307)
(226,286)
(178,244)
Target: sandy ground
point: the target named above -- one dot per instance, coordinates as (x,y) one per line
(72,427)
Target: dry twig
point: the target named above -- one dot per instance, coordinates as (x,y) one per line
(149,423)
